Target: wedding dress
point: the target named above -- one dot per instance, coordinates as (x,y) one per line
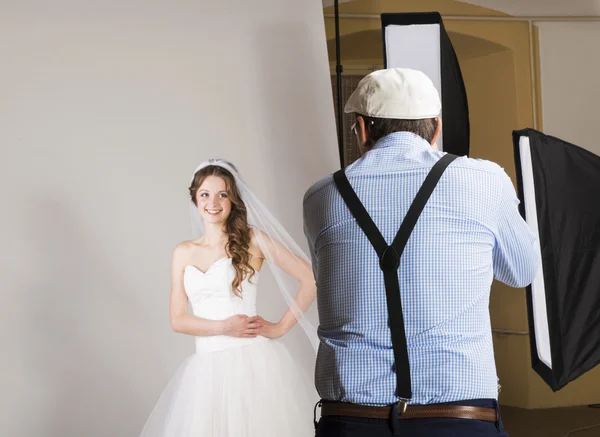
(232,387)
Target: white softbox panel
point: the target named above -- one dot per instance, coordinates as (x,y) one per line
(419,41)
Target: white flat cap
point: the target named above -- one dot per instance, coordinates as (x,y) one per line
(398,93)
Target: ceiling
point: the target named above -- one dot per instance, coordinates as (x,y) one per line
(538,8)
(542,8)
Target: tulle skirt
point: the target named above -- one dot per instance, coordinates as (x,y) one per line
(255,390)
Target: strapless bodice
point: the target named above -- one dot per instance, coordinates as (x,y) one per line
(211,296)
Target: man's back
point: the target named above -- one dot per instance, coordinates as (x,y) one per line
(469,230)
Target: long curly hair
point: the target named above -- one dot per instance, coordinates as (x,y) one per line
(236,226)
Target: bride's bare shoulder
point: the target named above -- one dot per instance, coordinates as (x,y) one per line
(186,247)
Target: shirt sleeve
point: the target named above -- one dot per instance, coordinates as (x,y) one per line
(516,251)
(308,231)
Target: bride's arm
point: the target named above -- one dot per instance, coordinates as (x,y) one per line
(299,269)
(185,323)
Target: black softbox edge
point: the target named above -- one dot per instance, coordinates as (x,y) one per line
(538,366)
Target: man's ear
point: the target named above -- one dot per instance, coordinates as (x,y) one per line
(361,133)
(436,134)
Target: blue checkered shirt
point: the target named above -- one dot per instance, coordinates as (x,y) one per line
(469,232)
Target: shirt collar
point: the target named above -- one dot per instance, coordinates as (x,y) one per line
(403,141)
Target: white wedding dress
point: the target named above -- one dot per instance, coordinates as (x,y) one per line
(232,387)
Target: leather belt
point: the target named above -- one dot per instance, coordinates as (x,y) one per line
(410,411)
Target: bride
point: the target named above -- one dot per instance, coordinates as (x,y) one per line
(242,381)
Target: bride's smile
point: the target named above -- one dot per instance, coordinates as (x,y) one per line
(213,200)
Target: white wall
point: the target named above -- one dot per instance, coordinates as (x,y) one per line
(570,66)
(106,108)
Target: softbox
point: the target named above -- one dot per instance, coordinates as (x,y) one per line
(419,41)
(559,189)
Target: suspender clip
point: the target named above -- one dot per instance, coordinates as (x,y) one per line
(402,406)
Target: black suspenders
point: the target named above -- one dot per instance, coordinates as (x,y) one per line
(389,259)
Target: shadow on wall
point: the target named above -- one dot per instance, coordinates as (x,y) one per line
(292,82)
(78,317)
